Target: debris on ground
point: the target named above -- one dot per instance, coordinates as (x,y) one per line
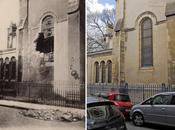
(50,115)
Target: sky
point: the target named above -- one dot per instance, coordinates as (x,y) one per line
(8,13)
(100,5)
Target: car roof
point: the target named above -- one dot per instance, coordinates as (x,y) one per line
(112,93)
(96,100)
(169,93)
(117,93)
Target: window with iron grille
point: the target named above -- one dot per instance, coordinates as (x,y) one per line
(146,43)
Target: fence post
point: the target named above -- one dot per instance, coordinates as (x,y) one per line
(143,89)
(163,87)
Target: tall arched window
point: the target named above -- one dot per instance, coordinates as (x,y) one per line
(146,43)
(109,68)
(13,68)
(6,68)
(103,71)
(1,68)
(47,26)
(45,40)
(97,72)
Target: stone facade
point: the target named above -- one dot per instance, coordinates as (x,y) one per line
(170,13)
(127,42)
(9,56)
(99,57)
(64,61)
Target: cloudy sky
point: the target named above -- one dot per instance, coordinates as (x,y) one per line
(8,13)
(100,5)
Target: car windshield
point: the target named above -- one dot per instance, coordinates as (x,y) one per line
(124,98)
(101,112)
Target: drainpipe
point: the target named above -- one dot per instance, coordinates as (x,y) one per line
(122,46)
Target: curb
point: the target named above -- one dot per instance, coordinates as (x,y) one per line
(63,109)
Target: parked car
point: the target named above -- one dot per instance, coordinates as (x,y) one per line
(121,100)
(158,109)
(103,115)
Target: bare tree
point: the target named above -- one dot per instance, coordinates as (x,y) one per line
(97,22)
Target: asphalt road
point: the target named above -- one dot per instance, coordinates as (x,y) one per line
(130,126)
(11,119)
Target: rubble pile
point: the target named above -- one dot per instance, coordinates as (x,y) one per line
(51,115)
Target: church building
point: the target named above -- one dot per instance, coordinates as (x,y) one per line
(143,43)
(50,42)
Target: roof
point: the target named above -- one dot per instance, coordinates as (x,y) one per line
(170,9)
(169,93)
(118,26)
(100,52)
(95,100)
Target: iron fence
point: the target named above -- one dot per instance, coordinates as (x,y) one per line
(137,92)
(67,95)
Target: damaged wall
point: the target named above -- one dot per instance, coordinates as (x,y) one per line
(67,49)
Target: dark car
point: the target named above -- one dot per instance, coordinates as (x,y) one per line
(158,109)
(121,100)
(103,115)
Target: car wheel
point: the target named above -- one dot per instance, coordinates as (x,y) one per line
(138,119)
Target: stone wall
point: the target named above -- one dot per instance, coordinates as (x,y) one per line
(133,72)
(171,48)
(67,47)
(92,58)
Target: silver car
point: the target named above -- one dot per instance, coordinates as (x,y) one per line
(159,109)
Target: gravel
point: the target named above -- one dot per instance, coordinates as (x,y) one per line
(50,115)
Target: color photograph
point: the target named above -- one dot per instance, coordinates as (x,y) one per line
(130,64)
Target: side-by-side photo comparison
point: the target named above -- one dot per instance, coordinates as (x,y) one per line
(87,64)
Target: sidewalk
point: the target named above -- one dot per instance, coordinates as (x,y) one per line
(23,105)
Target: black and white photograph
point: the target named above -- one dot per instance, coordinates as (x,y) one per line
(42,65)
(130,64)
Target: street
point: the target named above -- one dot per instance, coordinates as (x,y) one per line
(11,119)
(130,126)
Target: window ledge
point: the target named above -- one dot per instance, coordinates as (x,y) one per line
(151,68)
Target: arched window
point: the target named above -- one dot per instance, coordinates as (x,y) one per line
(146,43)
(45,40)
(6,68)
(13,68)
(1,68)
(103,71)
(97,72)
(109,68)
(47,26)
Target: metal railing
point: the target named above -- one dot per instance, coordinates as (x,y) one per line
(67,95)
(137,92)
